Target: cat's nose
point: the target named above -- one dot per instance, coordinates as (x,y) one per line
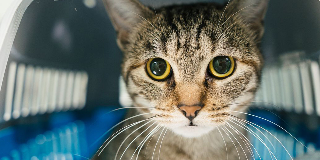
(190,111)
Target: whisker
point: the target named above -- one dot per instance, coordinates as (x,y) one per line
(243,140)
(248,141)
(225,144)
(229,18)
(155,146)
(237,142)
(140,142)
(121,108)
(255,135)
(145,140)
(239,119)
(124,128)
(161,143)
(232,142)
(226,30)
(121,130)
(145,20)
(149,141)
(263,108)
(248,122)
(156,128)
(222,15)
(149,23)
(131,125)
(236,13)
(133,139)
(273,124)
(116,126)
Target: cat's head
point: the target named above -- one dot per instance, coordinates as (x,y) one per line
(190,65)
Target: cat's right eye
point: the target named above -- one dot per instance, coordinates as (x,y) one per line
(158,69)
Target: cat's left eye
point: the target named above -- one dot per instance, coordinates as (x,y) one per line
(221,66)
(158,69)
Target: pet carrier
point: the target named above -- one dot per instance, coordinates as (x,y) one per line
(60,67)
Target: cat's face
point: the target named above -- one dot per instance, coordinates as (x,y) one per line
(190,66)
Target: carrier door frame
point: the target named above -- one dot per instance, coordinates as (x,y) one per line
(8,29)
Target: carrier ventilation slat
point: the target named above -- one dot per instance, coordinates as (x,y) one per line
(293,87)
(33,90)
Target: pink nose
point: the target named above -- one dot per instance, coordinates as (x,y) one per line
(190,111)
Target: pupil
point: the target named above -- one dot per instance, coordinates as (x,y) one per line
(222,65)
(158,66)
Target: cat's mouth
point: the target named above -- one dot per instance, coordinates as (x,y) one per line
(192,131)
(201,124)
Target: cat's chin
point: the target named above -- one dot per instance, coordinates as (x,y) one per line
(192,131)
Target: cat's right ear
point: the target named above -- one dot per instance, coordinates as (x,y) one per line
(125,15)
(252,12)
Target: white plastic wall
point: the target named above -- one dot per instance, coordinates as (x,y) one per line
(8,29)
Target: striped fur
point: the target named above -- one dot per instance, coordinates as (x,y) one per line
(187,36)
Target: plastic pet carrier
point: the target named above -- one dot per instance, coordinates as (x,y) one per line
(60,68)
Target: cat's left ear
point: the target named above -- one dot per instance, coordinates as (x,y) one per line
(125,15)
(252,12)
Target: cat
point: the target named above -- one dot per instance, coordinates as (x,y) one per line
(190,71)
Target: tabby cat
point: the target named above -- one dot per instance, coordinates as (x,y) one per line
(190,71)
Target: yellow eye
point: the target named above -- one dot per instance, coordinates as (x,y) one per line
(158,69)
(222,66)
